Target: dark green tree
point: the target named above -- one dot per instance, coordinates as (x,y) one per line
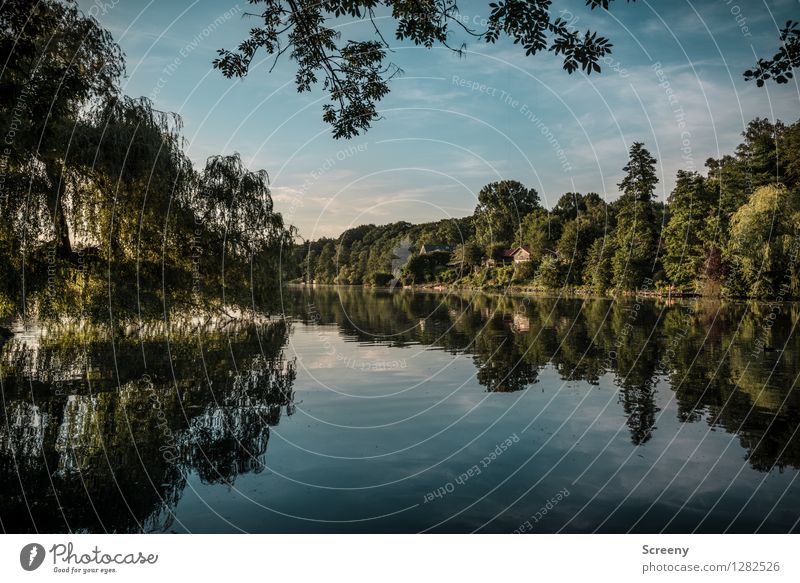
(686,237)
(57,63)
(501,208)
(636,234)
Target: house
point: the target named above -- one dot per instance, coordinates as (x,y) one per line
(518,254)
(515,255)
(429,248)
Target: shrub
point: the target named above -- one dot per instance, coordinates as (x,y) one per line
(380,278)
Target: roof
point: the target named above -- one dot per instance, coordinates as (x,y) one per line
(427,247)
(514,250)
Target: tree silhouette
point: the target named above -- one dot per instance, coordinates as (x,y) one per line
(780,66)
(355,74)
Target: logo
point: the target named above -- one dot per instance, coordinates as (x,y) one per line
(31,556)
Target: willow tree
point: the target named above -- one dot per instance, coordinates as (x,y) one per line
(131,175)
(243,239)
(763,247)
(57,64)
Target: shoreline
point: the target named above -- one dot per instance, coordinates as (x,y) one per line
(523,291)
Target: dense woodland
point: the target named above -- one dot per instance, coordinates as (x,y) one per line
(733,230)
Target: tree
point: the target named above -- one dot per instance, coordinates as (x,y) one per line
(780,66)
(763,234)
(597,274)
(57,64)
(421,268)
(501,208)
(471,254)
(571,249)
(762,152)
(548,275)
(540,231)
(640,178)
(237,203)
(325,270)
(380,279)
(686,240)
(568,206)
(636,233)
(131,172)
(586,220)
(354,72)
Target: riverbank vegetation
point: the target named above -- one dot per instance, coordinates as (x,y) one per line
(101,210)
(733,230)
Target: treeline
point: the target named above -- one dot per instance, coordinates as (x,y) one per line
(99,205)
(733,230)
(365,254)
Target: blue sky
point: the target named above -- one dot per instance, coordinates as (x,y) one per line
(453,124)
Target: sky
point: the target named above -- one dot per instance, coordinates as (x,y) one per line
(453,124)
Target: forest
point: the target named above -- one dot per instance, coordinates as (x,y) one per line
(732,231)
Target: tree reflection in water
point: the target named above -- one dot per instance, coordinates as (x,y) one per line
(703,351)
(101,438)
(100,432)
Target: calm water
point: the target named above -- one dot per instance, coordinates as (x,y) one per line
(394,412)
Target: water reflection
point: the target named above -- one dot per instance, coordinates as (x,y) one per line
(99,432)
(100,429)
(706,352)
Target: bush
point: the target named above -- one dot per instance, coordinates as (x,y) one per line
(380,279)
(548,275)
(523,271)
(423,267)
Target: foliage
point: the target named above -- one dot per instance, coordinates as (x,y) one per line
(471,254)
(380,279)
(100,208)
(597,274)
(548,275)
(709,238)
(524,271)
(422,268)
(354,72)
(765,233)
(501,208)
(636,232)
(780,66)
(687,242)
(540,233)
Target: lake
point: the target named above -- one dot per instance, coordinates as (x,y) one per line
(378,411)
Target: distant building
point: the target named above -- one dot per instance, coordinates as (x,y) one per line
(514,255)
(429,248)
(518,254)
